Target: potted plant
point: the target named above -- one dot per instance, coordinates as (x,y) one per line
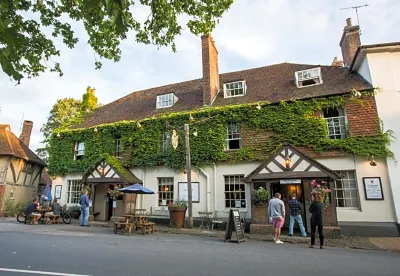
(177,212)
(259,197)
(75,211)
(259,200)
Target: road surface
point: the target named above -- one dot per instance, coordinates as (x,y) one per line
(73,250)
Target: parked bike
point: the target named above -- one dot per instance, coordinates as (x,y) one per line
(65,216)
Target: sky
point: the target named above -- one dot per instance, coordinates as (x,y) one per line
(252,33)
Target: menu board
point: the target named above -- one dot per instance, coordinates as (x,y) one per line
(373,188)
(234,224)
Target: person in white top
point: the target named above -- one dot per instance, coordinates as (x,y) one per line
(276,212)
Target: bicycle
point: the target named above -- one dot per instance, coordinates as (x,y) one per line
(65,216)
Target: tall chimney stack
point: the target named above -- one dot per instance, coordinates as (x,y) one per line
(25,136)
(210,69)
(350,42)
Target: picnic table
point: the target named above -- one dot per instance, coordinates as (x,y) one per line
(135,221)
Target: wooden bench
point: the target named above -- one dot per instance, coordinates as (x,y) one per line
(123,227)
(31,219)
(220,217)
(146,227)
(52,219)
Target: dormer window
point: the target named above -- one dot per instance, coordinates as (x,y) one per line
(308,77)
(234,89)
(166,100)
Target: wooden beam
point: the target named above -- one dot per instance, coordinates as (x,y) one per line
(13,172)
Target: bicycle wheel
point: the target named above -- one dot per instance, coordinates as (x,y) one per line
(21,217)
(66,218)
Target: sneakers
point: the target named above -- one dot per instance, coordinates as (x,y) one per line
(279,242)
(290,235)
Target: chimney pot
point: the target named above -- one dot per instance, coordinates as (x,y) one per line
(349,22)
(25,136)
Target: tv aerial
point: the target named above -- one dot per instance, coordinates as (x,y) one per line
(356,8)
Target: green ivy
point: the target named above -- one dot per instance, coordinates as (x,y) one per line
(289,122)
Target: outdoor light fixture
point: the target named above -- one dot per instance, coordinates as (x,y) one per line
(190,117)
(373,162)
(95,129)
(258,106)
(287,162)
(139,125)
(58,134)
(195,133)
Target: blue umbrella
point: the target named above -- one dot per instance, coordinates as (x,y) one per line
(136,189)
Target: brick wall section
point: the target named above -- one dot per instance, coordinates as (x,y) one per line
(350,42)
(25,136)
(210,69)
(363,118)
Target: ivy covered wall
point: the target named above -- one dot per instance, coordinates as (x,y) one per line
(293,122)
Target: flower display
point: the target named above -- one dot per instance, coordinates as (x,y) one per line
(115,193)
(321,189)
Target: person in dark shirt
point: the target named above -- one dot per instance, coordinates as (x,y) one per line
(55,208)
(317,219)
(295,208)
(32,208)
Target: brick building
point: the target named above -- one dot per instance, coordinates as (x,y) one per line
(221,185)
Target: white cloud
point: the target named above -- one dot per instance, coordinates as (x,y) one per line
(252,33)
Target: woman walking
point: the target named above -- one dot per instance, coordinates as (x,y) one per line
(317,220)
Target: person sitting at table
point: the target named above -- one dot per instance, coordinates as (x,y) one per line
(32,209)
(55,208)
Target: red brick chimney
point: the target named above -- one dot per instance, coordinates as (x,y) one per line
(210,69)
(25,136)
(350,42)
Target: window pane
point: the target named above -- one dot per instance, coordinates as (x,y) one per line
(346,190)
(235,196)
(165,191)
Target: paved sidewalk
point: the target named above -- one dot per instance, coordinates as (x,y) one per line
(368,243)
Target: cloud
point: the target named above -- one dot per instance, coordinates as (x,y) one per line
(252,33)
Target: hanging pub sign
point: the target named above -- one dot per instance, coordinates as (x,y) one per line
(234,225)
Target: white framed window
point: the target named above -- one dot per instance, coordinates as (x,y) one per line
(234,89)
(166,140)
(79,150)
(346,191)
(165,191)
(308,77)
(336,121)
(233,140)
(118,149)
(166,100)
(235,192)
(74,191)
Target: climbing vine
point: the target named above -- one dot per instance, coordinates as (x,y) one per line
(292,122)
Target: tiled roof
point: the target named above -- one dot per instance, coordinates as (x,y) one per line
(45,178)
(10,145)
(270,83)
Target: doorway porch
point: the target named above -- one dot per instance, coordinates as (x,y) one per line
(103,179)
(288,172)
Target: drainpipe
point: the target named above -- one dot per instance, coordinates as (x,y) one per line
(215,186)
(207,188)
(141,196)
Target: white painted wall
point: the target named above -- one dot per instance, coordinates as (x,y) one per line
(370,211)
(384,72)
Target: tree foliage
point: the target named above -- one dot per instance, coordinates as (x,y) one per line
(26,50)
(64,113)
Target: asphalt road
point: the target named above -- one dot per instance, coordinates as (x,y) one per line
(87,251)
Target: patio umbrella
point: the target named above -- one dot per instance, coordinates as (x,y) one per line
(136,189)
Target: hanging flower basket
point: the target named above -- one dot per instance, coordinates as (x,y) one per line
(322,190)
(115,193)
(259,197)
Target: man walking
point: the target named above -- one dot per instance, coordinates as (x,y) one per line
(84,202)
(276,212)
(295,208)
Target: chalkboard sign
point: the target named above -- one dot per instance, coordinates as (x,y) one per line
(234,224)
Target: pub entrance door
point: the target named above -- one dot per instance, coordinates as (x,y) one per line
(286,188)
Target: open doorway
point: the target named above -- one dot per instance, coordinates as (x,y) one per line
(286,190)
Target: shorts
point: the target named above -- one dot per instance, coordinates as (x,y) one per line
(278,222)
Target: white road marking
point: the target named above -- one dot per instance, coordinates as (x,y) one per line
(39,272)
